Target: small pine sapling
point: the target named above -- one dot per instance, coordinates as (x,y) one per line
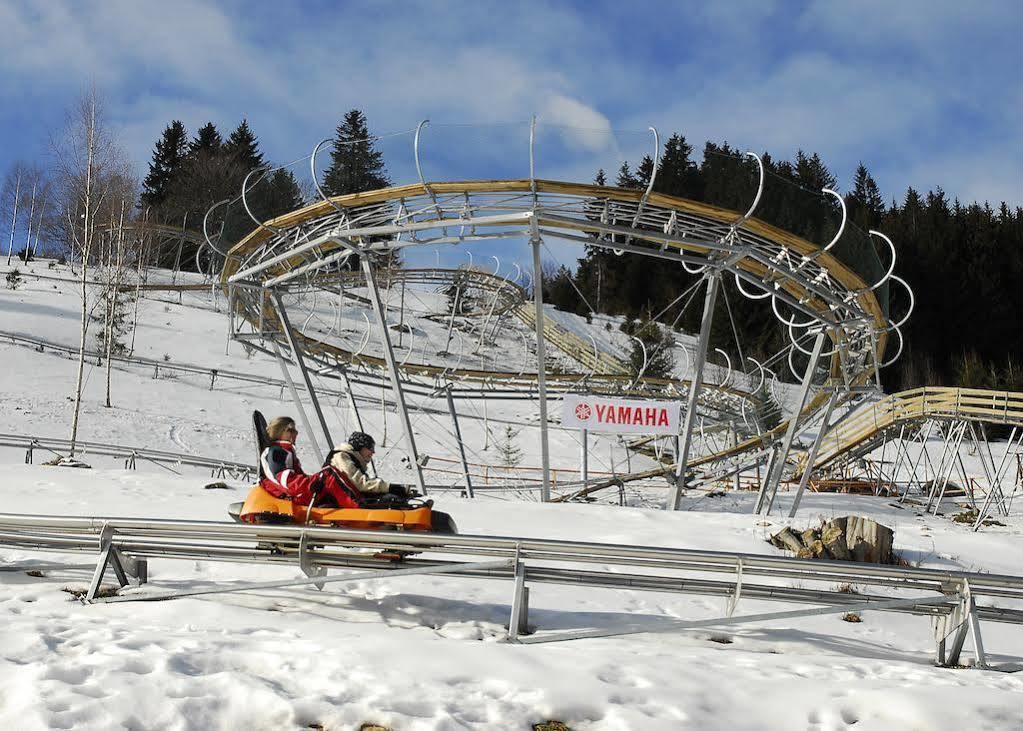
(508,448)
(14,278)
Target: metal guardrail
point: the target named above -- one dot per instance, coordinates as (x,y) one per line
(950,597)
(59,447)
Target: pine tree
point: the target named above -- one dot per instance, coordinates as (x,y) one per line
(625,177)
(355,165)
(168,156)
(677,174)
(660,351)
(644,172)
(866,207)
(207,140)
(507,448)
(284,194)
(243,147)
(601,178)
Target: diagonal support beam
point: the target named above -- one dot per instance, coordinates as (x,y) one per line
(675,495)
(392,367)
(296,354)
(778,468)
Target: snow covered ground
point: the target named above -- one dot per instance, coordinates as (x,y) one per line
(427,652)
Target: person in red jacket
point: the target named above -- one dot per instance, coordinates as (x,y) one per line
(283,477)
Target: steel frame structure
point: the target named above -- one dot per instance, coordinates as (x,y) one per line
(956,416)
(294,250)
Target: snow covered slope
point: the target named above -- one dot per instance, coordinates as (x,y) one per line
(427,652)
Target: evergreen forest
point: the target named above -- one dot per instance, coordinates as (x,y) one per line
(961,259)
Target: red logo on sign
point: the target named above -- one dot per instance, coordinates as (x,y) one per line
(583,412)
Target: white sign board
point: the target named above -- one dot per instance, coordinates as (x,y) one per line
(620,416)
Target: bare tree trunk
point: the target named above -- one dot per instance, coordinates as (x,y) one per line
(113,292)
(31,215)
(39,225)
(14,221)
(143,251)
(86,244)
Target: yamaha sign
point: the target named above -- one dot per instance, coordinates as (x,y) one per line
(620,416)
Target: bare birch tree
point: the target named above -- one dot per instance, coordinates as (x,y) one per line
(11,201)
(90,168)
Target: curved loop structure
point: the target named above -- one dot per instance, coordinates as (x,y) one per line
(760,368)
(245,201)
(760,191)
(891,267)
(820,291)
(727,380)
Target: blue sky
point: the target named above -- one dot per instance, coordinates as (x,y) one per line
(924,93)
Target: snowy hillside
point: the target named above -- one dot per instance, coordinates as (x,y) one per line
(425,652)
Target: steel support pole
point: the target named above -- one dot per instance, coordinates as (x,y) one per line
(541,366)
(296,353)
(306,424)
(584,457)
(775,475)
(392,367)
(990,471)
(812,456)
(675,495)
(461,445)
(355,410)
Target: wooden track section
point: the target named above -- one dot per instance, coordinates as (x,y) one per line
(906,407)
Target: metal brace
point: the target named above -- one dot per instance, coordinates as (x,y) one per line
(964,619)
(734,599)
(124,566)
(304,562)
(518,622)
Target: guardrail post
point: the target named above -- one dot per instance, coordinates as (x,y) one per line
(213,377)
(123,566)
(305,563)
(518,622)
(965,616)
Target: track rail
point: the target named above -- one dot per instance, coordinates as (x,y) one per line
(218,467)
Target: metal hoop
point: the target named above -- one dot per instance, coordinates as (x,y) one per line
(891,268)
(794,342)
(912,304)
(760,368)
(897,353)
(263,170)
(790,323)
(748,295)
(728,374)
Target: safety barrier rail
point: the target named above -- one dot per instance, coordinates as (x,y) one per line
(60,447)
(126,544)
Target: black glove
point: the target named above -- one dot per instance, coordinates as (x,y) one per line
(398,491)
(316,486)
